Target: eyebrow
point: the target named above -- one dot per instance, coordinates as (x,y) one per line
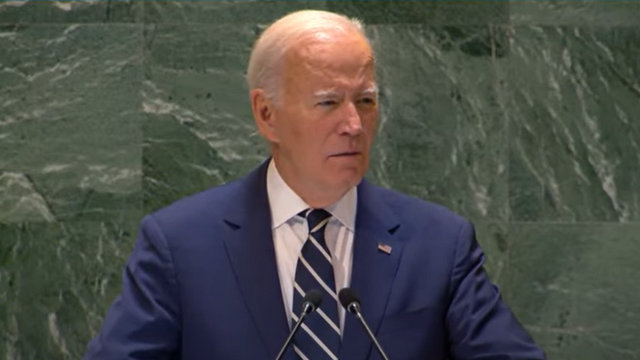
(372,90)
(325,93)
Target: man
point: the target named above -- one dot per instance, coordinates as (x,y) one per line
(221,275)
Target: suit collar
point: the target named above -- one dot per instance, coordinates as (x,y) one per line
(373,270)
(250,250)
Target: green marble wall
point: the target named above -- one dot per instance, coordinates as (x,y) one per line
(522,116)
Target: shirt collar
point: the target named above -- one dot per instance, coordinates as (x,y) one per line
(285,203)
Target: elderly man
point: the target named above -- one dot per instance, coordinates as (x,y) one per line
(223,274)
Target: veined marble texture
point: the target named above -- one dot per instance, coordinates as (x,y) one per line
(575,287)
(198,129)
(56,280)
(79,11)
(70,125)
(574,123)
(520,115)
(441,134)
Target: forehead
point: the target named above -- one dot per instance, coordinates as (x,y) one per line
(330,57)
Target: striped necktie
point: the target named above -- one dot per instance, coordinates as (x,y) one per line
(320,335)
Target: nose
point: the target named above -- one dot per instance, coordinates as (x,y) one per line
(352,123)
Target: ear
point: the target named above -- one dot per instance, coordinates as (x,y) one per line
(264,114)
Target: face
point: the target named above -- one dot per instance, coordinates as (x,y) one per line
(324,121)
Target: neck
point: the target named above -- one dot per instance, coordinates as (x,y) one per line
(314,196)
(320,203)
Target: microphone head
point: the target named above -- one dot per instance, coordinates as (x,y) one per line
(349,300)
(311,300)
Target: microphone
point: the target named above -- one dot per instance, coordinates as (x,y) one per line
(310,302)
(351,302)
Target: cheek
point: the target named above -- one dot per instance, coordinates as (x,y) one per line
(370,125)
(288,131)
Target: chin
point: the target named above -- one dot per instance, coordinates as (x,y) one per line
(350,180)
(345,175)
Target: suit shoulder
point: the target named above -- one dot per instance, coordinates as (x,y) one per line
(201,206)
(412,208)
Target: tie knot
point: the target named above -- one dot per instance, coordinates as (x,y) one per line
(316,218)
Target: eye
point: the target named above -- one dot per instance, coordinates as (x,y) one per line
(368,100)
(326,103)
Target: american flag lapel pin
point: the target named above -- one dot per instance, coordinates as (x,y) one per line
(385,248)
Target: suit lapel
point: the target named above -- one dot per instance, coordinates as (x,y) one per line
(249,245)
(373,270)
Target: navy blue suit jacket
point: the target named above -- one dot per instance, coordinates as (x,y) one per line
(202,283)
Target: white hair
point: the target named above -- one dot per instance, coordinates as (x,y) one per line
(267,56)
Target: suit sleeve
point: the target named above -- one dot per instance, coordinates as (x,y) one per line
(480,325)
(144,321)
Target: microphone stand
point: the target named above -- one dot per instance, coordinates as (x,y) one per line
(355,309)
(291,335)
(311,301)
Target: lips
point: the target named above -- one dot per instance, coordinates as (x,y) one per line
(345,154)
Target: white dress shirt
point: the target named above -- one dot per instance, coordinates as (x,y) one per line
(290,232)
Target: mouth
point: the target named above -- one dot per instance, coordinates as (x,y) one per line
(345,154)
